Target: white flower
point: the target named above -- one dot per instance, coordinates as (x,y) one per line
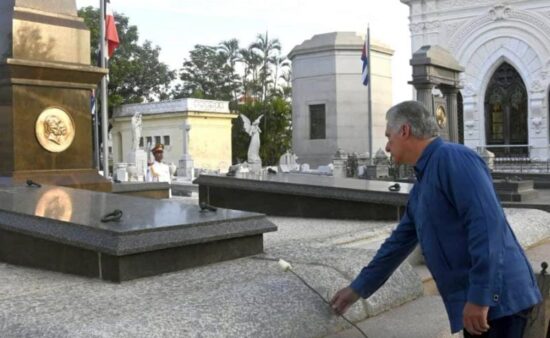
(285,265)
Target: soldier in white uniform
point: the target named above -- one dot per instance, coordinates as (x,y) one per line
(158,171)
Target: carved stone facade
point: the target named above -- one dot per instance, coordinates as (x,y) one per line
(482,35)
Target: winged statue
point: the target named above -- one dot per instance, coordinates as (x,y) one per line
(253,129)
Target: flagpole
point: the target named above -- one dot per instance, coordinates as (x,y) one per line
(371,162)
(104,103)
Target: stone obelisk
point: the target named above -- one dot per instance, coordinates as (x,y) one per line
(45,85)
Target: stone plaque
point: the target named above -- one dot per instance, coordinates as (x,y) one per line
(441,117)
(55,130)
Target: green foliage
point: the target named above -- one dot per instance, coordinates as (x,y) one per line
(208,74)
(135,73)
(276,129)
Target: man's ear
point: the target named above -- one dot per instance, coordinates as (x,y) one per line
(406,130)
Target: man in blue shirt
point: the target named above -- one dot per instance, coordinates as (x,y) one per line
(482,273)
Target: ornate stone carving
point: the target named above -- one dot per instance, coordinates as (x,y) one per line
(452,28)
(460,36)
(54,130)
(468,89)
(433,25)
(449,4)
(431,6)
(421,27)
(537,123)
(416,27)
(497,13)
(500,12)
(470,126)
(536,86)
(532,18)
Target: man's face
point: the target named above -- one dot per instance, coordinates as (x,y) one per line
(158,155)
(395,144)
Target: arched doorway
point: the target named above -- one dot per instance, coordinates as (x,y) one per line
(506,112)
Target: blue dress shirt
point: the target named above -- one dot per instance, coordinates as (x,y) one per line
(455,215)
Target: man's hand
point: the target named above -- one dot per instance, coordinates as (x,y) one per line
(343,299)
(475,318)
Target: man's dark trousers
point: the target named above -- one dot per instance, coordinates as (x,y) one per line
(505,327)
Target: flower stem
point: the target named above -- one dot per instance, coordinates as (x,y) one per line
(327,302)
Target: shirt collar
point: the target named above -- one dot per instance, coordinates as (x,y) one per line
(426,154)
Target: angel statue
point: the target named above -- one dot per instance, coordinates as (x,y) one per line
(254,148)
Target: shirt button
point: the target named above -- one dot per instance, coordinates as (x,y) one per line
(495,298)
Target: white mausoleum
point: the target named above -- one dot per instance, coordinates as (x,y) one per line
(209,143)
(329,101)
(505,49)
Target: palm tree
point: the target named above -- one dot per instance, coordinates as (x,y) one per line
(252,62)
(229,50)
(287,86)
(268,51)
(282,63)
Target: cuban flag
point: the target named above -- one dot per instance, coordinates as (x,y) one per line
(365,59)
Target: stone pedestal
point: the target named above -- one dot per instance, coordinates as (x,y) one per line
(255,167)
(488,157)
(139,159)
(121,172)
(509,190)
(339,162)
(185,167)
(45,67)
(377,171)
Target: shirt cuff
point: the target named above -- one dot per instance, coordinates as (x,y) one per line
(358,286)
(482,296)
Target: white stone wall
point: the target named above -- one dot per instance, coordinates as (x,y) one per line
(313,83)
(327,70)
(482,35)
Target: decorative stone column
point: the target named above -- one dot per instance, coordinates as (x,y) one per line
(185,165)
(452,110)
(424,95)
(433,66)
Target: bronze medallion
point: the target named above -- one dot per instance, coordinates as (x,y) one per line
(55,130)
(56,204)
(441,117)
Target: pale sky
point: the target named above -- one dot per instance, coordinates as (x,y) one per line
(177,25)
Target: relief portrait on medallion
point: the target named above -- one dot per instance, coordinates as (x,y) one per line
(54,130)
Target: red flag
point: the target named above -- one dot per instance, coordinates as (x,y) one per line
(111,34)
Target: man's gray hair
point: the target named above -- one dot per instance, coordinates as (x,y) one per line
(416,115)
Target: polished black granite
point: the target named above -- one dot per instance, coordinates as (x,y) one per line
(301,195)
(61,229)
